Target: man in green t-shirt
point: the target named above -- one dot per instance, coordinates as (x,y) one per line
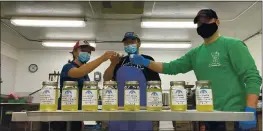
(224,61)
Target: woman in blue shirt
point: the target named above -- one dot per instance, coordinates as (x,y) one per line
(78,70)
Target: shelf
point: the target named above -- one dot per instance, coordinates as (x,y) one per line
(143,115)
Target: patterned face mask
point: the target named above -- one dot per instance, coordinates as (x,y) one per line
(131,49)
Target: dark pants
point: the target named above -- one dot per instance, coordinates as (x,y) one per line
(218,126)
(62,125)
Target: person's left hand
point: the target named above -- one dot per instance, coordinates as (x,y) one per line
(245,125)
(139,60)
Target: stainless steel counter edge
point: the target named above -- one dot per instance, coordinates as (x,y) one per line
(19,103)
(190,115)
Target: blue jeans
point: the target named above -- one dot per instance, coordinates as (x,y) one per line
(220,126)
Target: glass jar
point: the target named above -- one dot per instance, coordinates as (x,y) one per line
(110,96)
(70,95)
(49,96)
(154,96)
(204,96)
(90,96)
(178,98)
(131,96)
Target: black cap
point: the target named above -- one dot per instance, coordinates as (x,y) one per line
(205,13)
(131,35)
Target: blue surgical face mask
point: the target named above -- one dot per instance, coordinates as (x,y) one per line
(83,57)
(131,49)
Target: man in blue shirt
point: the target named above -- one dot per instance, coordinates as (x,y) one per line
(122,70)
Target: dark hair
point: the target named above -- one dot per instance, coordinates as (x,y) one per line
(139,41)
(69,61)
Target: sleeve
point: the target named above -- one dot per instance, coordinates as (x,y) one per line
(181,65)
(152,75)
(245,66)
(65,70)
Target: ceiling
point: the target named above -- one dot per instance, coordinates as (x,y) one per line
(109,21)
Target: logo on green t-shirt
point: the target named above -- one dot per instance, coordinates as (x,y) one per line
(215,59)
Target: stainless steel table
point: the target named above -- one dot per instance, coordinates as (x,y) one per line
(143,115)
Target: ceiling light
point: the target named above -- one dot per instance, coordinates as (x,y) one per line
(168,23)
(166,45)
(48,22)
(63,43)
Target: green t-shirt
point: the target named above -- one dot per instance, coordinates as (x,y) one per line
(230,67)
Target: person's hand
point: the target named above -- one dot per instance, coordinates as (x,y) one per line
(139,60)
(115,59)
(245,125)
(108,55)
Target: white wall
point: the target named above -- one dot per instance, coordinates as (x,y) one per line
(255,47)
(9,51)
(9,56)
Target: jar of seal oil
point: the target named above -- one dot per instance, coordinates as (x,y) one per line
(90,96)
(154,96)
(110,96)
(131,96)
(178,98)
(204,96)
(49,96)
(70,96)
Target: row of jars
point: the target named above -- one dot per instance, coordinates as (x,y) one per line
(69,100)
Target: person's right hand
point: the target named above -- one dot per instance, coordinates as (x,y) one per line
(139,60)
(108,55)
(115,59)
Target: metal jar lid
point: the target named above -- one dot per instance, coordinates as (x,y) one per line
(50,83)
(70,83)
(172,83)
(203,82)
(109,83)
(154,82)
(90,83)
(131,83)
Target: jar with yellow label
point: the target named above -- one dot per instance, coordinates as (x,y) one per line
(204,96)
(49,96)
(154,96)
(110,96)
(90,96)
(70,96)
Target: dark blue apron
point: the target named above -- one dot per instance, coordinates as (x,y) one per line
(126,73)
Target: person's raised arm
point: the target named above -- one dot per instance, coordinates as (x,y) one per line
(89,67)
(109,72)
